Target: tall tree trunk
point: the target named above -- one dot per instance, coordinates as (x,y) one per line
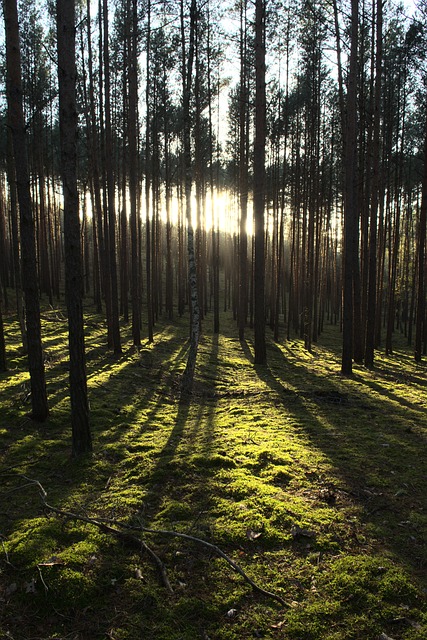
(375,186)
(259,183)
(214,231)
(81,438)
(420,308)
(187,76)
(111,206)
(99,266)
(148,181)
(350,204)
(15,240)
(123,218)
(243,174)
(133,175)
(39,404)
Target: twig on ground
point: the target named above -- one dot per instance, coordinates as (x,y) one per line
(220,553)
(106,526)
(46,588)
(6,555)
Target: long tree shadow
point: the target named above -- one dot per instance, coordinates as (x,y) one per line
(174,478)
(380,464)
(127,398)
(129,405)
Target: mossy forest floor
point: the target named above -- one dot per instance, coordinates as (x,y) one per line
(314,484)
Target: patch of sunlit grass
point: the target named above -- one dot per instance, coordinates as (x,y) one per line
(312,482)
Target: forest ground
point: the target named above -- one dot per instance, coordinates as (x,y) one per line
(314,484)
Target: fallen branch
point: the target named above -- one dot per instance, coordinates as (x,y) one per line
(219,552)
(122,531)
(106,528)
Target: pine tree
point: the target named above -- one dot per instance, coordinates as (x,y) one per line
(65,16)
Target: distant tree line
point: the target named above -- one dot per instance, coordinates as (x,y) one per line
(303,202)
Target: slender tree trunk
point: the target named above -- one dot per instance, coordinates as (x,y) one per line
(259,183)
(148,183)
(215,232)
(99,266)
(243,175)
(350,208)
(187,75)
(133,174)
(39,404)
(420,308)
(81,438)
(123,217)
(168,197)
(115,328)
(372,272)
(15,240)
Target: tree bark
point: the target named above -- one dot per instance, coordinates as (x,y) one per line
(350,203)
(375,186)
(420,308)
(15,240)
(133,176)
(243,175)
(148,181)
(259,183)
(187,75)
(111,206)
(65,16)
(39,404)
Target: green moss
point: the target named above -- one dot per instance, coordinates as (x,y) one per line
(72,587)
(216,461)
(313,483)
(174,511)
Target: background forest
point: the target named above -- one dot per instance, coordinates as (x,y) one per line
(168,114)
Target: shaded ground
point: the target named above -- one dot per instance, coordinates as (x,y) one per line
(314,484)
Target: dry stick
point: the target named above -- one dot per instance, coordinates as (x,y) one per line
(102,524)
(107,529)
(219,552)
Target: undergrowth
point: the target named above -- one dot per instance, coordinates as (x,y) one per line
(313,483)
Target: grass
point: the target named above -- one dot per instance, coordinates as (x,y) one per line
(313,483)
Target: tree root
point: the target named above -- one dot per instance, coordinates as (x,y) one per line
(126,533)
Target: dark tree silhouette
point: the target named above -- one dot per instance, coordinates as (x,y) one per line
(65,16)
(259,181)
(16,122)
